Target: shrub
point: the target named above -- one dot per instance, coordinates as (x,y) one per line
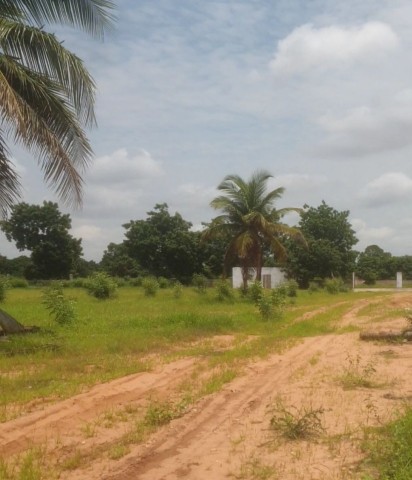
(58,305)
(199,281)
(136,282)
(16,282)
(313,287)
(163,282)
(292,287)
(100,285)
(150,286)
(4,285)
(224,290)
(265,307)
(255,291)
(335,285)
(177,289)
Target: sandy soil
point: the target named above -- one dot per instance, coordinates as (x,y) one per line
(228,434)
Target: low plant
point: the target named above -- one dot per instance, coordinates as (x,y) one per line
(163,282)
(4,285)
(16,282)
(297,423)
(313,287)
(199,281)
(162,413)
(292,288)
(335,286)
(177,289)
(255,291)
(101,285)
(150,286)
(357,373)
(60,307)
(224,290)
(265,306)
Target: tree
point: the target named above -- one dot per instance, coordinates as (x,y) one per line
(44,231)
(250,221)
(375,264)
(117,262)
(163,244)
(46,93)
(329,253)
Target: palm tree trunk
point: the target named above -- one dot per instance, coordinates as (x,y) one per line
(259,261)
(9,324)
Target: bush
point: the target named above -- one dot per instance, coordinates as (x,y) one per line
(335,285)
(292,287)
(4,285)
(177,289)
(224,290)
(255,292)
(150,286)
(136,282)
(265,306)
(163,282)
(313,287)
(16,282)
(199,281)
(100,285)
(58,305)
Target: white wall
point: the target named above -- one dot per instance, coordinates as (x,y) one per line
(277,276)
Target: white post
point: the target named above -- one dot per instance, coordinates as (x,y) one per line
(353,280)
(398,279)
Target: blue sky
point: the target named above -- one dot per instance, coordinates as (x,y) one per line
(318,92)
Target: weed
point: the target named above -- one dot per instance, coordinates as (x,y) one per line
(59,306)
(73,461)
(177,289)
(335,285)
(297,423)
(224,290)
(265,306)
(4,285)
(150,286)
(89,430)
(199,282)
(254,469)
(163,282)
(100,285)
(357,374)
(118,451)
(162,413)
(255,292)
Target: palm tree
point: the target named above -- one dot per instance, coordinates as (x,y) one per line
(46,93)
(250,221)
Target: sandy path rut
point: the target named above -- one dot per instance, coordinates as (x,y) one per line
(228,434)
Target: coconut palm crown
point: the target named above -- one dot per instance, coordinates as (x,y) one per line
(250,221)
(46,93)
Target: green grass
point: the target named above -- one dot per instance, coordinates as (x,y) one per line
(389,450)
(112,338)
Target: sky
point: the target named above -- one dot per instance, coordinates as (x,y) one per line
(317,92)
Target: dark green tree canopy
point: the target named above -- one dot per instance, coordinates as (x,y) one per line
(163,244)
(375,264)
(330,239)
(44,231)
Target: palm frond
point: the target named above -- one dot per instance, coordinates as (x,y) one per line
(9,181)
(43,53)
(35,110)
(92,16)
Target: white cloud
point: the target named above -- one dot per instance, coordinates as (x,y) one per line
(308,47)
(87,232)
(121,167)
(370,235)
(389,188)
(300,181)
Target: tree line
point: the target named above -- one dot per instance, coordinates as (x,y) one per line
(248,232)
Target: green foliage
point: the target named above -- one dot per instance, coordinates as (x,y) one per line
(335,286)
(177,289)
(292,286)
(313,287)
(117,262)
(297,423)
(15,282)
(45,232)
(390,449)
(4,285)
(163,244)
(224,290)
(265,306)
(357,374)
(330,240)
(255,291)
(200,283)
(60,307)
(249,221)
(375,264)
(163,282)
(100,285)
(150,286)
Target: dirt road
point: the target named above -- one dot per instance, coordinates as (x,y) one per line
(228,434)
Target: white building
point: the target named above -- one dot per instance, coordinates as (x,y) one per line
(271,277)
